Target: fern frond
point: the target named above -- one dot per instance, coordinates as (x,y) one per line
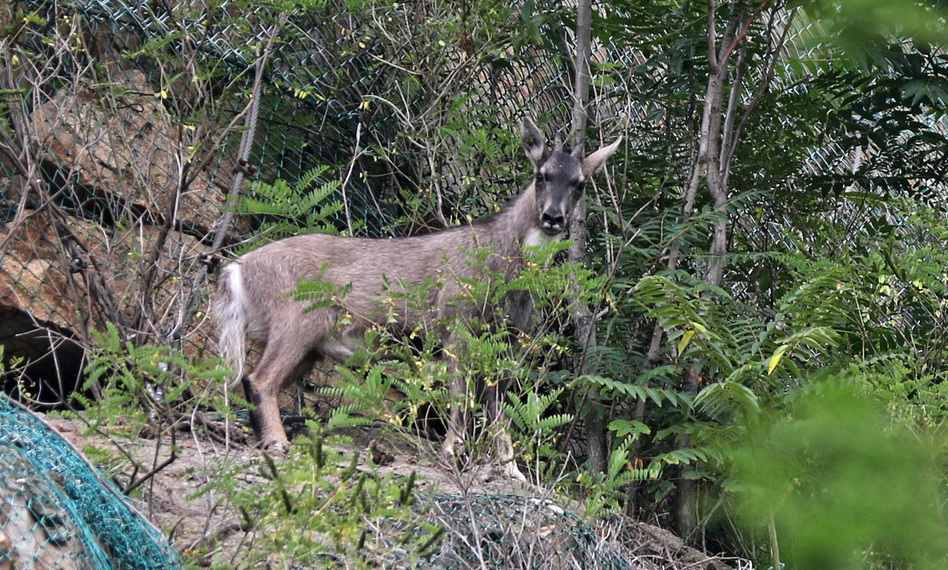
(723,398)
(307,206)
(634,391)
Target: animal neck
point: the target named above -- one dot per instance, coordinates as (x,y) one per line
(517,225)
(522,218)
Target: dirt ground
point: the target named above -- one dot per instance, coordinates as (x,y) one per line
(206,523)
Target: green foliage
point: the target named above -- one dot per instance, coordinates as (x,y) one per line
(861,25)
(635,392)
(319,504)
(488,351)
(286,210)
(536,428)
(319,293)
(130,391)
(604,490)
(364,395)
(137,383)
(846,487)
(835,269)
(8,364)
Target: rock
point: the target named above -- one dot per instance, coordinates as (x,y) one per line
(35,269)
(32,275)
(118,139)
(37,288)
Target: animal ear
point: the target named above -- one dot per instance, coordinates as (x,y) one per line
(533,141)
(594,161)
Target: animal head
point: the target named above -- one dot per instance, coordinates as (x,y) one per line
(559,176)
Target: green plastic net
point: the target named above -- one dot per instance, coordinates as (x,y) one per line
(57,511)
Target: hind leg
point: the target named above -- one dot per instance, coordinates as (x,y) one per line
(283,358)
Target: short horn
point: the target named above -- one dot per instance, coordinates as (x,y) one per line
(594,161)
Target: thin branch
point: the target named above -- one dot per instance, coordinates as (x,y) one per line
(731,112)
(136,483)
(345,182)
(189,307)
(712,36)
(762,89)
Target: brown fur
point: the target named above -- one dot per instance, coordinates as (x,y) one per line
(254,297)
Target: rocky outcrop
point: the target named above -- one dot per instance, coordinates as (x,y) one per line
(118,155)
(37,276)
(45,298)
(117,138)
(33,277)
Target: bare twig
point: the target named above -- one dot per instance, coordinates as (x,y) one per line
(345,182)
(136,483)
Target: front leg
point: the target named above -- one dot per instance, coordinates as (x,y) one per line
(499,425)
(458,420)
(460,399)
(520,313)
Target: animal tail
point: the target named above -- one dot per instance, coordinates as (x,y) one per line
(230,312)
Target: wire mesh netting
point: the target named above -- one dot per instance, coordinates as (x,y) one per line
(511,531)
(330,66)
(113,147)
(333,79)
(59,512)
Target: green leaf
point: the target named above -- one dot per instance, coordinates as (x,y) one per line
(623,428)
(685,339)
(775,359)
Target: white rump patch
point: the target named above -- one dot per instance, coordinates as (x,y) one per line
(235,283)
(232,320)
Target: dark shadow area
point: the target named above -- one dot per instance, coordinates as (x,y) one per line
(50,363)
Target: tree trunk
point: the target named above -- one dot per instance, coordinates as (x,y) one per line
(708,167)
(595,420)
(581,86)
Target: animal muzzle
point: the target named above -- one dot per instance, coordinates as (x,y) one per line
(552,222)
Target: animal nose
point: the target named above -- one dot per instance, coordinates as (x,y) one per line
(553,220)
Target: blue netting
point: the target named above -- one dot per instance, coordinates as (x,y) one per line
(57,511)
